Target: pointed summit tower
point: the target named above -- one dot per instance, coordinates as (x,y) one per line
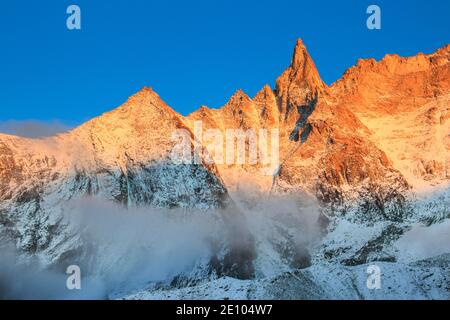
(300,83)
(266,103)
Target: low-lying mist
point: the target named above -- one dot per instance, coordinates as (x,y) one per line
(123,249)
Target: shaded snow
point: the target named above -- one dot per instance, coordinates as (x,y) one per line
(423,280)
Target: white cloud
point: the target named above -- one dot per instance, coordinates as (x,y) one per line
(33,128)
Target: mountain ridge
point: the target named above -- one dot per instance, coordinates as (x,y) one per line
(363,148)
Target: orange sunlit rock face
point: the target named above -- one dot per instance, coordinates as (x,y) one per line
(382,125)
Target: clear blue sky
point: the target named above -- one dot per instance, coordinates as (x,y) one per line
(190,52)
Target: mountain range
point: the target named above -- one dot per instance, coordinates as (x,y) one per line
(363,163)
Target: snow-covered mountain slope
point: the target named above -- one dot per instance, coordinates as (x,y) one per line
(421,280)
(104,155)
(123,156)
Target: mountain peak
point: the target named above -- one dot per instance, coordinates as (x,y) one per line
(300,82)
(239,97)
(303,65)
(266,102)
(267,89)
(239,93)
(142,112)
(146,101)
(146,89)
(300,54)
(265,93)
(144,93)
(238,103)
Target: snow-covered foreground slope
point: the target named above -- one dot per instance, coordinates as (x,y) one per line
(413,256)
(142,253)
(425,279)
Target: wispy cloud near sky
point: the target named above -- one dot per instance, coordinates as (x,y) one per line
(33,128)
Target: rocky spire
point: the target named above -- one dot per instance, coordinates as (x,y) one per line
(304,67)
(265,93)
(299,84)
(266,103)
(238,102)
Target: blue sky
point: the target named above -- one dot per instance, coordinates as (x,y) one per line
(190,52)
